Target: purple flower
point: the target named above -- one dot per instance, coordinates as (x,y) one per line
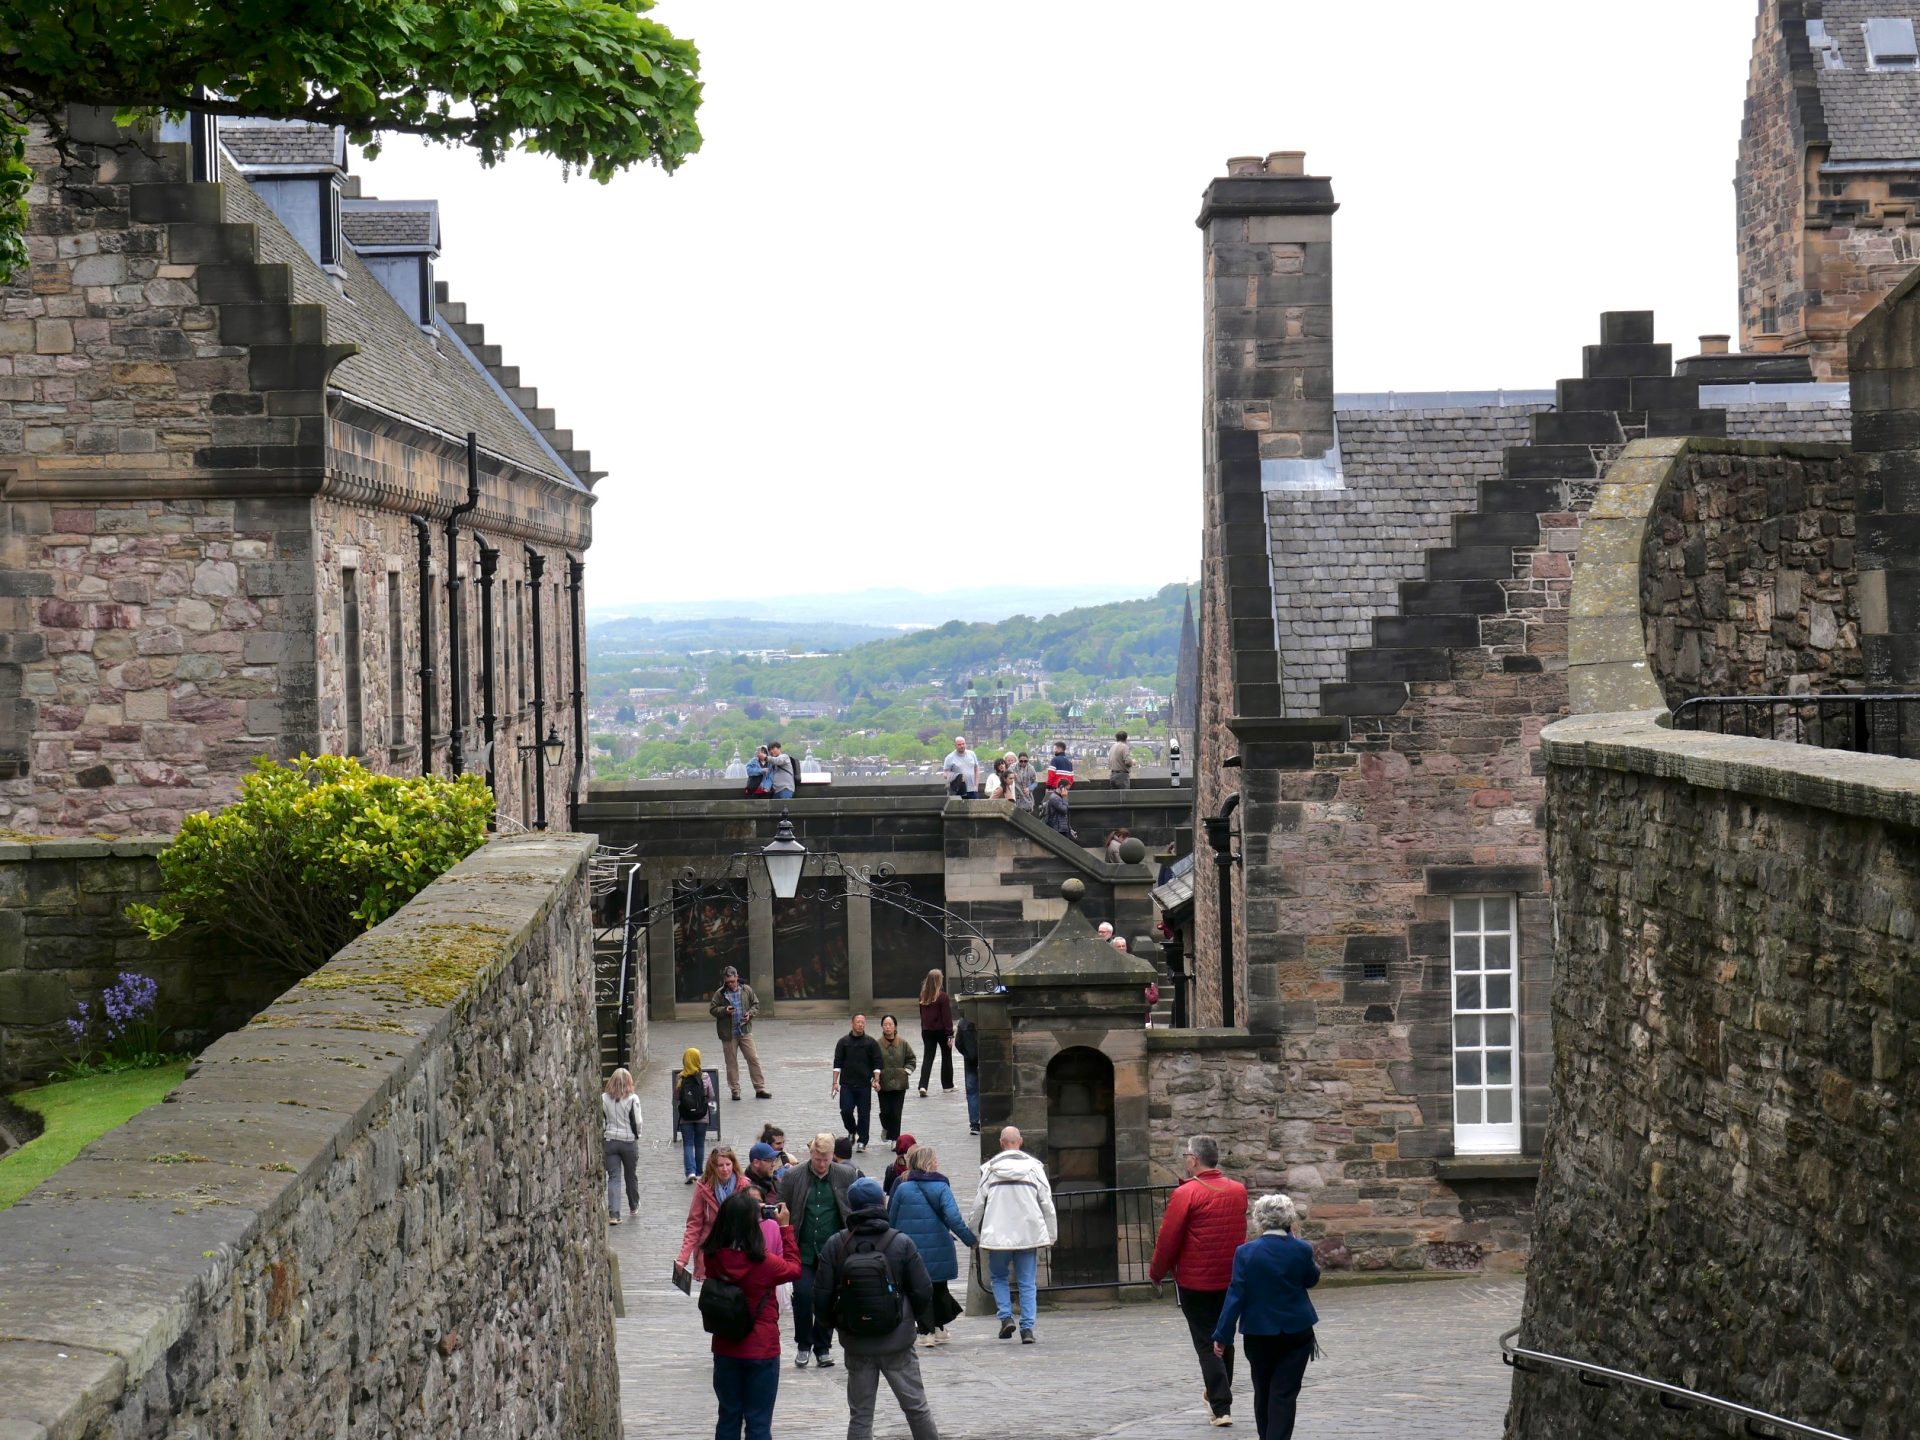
(128,1002)
(77,1024)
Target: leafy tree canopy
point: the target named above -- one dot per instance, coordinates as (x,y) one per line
(592,82)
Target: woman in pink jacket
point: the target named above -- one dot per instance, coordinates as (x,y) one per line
(717,1182)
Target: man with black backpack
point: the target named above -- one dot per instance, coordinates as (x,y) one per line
(871,1279)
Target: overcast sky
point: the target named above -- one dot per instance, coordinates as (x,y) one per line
(931,292)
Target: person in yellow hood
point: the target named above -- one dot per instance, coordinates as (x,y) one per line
(693,1102)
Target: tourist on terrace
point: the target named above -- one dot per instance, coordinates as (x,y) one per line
(782,777)
(896,1075)
(718,1181)
(962,769)
(966,1039)
(923,1209)
(746,1369)
(1115,839)
(936,1028)
(876,1306)
(1060,765)
(1267,1299)
(693,1102)
(1120,761)
(733,1008)
(816,1194)
(620,1141)
(1205,1223)
(999,786)
(757,773)
(1023,778)
(1013,1216)
(1059,815)
(856,1075)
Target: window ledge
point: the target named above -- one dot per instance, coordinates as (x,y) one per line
(1236,1038)
(1488,1167)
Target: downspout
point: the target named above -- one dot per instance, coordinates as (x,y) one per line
(456,720)
(536,568)
(1220,840)
(489,562)
(576,575)
(423,532)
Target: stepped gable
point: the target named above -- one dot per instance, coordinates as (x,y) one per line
(1626,390)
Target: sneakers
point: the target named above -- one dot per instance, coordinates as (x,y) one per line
(940,1336)
(973,1129)
(691,1177)
(923,1092)
(927,1342)
(801,1360)
(1006,1329)
(825,1362)
(861,1147)
(613,1220)
(1221,1420)
(1026,1337)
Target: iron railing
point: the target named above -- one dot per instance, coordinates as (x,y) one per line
(1672,1397)
(1106,1239)
(1869,724)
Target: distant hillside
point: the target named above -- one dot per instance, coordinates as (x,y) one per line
(885,607)
(640,634)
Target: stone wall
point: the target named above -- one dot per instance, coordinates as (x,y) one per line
(1725,1200)
(64,938)
(377,1210)
(1747,576)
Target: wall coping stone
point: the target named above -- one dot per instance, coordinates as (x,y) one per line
(1214,1038)
(1884,788)
(103,1267)
(16,852)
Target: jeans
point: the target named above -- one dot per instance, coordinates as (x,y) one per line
(1279,1364)
(929,1039)
(973,1098)
(1121,779)
(746,1390)
(1202,1309)
(622,1155)
(902,1369)
(693,1145)
(856,1109)
(1025,1265)
(809,1332)
(891,1103)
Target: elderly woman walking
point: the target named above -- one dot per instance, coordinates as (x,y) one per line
(1267,1299)
(620,1141)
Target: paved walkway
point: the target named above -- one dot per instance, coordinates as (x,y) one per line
(1411,1361)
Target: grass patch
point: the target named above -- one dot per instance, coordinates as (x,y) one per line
(77,1111)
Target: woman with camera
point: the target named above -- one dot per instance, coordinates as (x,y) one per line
(746,1325)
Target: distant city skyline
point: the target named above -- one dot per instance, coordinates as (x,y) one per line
(912,318)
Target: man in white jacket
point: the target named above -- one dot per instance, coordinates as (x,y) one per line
(1013,1216)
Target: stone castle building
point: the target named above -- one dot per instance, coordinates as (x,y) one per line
(1828,182)
(236,481)
(1383,638)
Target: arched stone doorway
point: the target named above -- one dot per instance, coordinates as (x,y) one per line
(1081,1162)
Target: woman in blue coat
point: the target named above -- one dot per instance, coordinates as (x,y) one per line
(923,1209)
(1267,1299)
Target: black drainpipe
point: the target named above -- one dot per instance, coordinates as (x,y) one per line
(423,532)
(1220,840)
(456,719)
(576,576)
(489,561)
(536,568)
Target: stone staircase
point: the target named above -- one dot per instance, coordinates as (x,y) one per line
(1626,390)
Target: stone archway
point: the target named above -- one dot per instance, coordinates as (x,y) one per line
(1081,1160)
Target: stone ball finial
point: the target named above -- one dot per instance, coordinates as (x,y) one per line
(1133,851)
(1073,891)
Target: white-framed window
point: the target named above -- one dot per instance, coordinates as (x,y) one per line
(1486,1027)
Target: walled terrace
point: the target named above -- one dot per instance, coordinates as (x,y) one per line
(365,1213)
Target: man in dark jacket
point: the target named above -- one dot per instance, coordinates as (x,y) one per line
(846,1282)
(815,1195)
(856,1075)
(1206,1221)
(966,1039)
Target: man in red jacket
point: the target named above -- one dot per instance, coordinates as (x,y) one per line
(1206,1221)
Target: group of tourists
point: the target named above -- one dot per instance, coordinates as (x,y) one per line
(772,772)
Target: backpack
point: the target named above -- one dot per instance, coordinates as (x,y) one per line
(868,1302)
(693,1098)
(723,1308)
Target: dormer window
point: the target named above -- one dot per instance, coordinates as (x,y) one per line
(298,169)
(1890,45)
(397,240)
(1825,46)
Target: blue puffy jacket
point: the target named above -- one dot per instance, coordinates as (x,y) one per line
(924,1209)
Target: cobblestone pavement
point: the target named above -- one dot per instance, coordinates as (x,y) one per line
(1409,1361)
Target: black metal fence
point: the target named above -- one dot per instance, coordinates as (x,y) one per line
(1106,1239)
(1869,724)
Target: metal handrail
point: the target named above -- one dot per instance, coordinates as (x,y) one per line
(1865,723)
(1674,1397)
(624,1024)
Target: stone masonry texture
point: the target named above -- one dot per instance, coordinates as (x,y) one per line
(1725,1199)
(376,1211)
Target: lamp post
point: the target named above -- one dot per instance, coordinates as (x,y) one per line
(551,750)
(785,857)
(1220,841)
(1173,755)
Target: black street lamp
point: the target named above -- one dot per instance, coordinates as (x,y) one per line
(785,858)
(551,750)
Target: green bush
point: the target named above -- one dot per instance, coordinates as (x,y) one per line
(311,854)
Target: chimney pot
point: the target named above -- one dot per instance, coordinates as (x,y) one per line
(1287,162)
(1714,344)
(1245,165)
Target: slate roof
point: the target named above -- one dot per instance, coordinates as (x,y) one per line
(273,142)
(398,368)
(373,224)
(1870,114)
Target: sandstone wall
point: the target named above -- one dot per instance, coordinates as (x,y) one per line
(64,938)
(376,1211)
(1725,1199)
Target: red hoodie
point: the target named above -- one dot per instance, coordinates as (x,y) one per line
(1206,1221)
(758,1279)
